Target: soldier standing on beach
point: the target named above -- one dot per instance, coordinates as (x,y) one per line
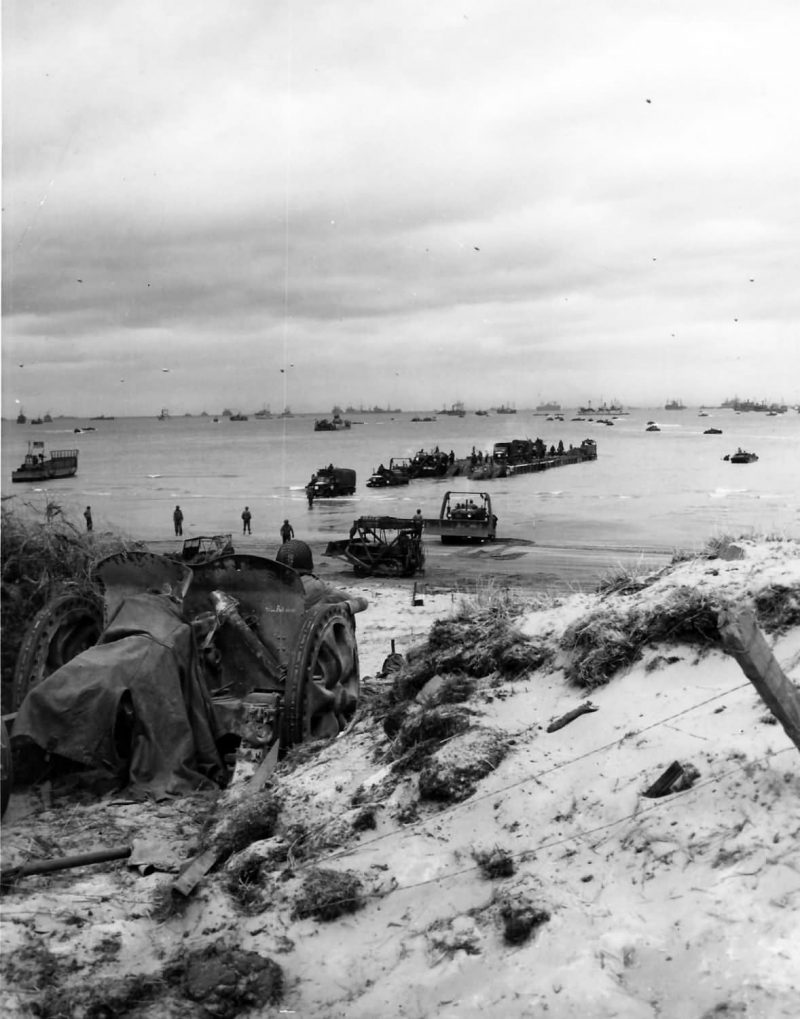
(287,532)
(177,519)
(87,514)
(246,517)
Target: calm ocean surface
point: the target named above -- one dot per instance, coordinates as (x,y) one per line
(649,490)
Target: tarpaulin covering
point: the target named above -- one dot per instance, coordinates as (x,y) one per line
(146,659)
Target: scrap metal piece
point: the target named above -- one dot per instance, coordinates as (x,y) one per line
(227,610)
(12,874)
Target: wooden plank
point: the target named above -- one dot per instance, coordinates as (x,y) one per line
(570,716)
(194,871)
(744,641)
(268,764)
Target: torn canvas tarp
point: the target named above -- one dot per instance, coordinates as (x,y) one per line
(133,704)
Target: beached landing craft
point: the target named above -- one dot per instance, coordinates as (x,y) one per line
(62,463)
(523,456)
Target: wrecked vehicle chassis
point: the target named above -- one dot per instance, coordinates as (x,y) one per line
(270,669)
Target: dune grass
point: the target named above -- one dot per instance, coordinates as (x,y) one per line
(43,553)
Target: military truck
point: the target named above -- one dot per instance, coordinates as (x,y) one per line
(331,481)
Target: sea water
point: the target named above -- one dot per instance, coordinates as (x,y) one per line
(650,490)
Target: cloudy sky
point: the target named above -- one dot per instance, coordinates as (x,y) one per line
(233,203)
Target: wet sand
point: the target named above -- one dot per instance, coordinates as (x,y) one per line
(543,569)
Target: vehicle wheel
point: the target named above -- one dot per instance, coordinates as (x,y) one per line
(6,770)
(67,625)
(322,681)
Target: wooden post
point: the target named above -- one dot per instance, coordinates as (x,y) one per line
(742,638)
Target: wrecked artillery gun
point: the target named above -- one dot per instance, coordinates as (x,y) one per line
(166,673)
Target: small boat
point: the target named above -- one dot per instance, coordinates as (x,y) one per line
(35,421)
(713,431)
(238,417)
(331,424)
(62,463)
(741,456)
(163,416)
(652,428)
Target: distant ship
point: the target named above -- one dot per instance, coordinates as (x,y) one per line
(456,410)
(548,408)
(760,406)
(163,416)
(674,405)
(265,413)
(615,407)
(505,409)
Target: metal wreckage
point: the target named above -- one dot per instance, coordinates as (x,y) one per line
(171,672)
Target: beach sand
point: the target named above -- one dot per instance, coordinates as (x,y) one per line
(681,906)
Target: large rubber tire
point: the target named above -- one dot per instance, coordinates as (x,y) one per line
(67,625)
(322,679)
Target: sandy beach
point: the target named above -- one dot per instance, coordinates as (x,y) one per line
(538,880)
(543,569)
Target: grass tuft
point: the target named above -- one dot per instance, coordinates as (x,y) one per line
(327,894)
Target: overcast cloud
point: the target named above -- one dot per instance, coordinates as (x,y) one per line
(406,204)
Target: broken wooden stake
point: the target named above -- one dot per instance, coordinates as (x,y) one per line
(744,641)
(570,716)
